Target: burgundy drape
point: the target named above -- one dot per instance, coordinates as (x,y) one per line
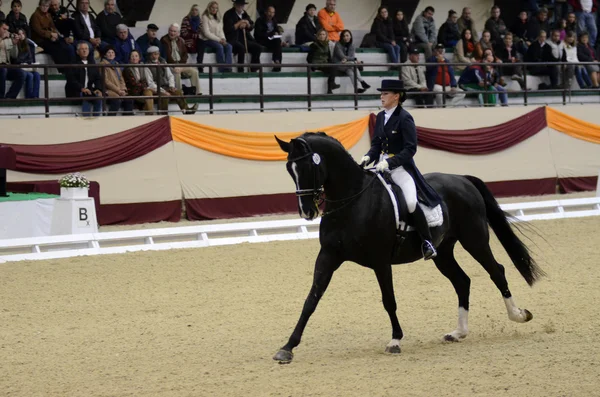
(239,207)
(578,184)
(480,140)
(95,153)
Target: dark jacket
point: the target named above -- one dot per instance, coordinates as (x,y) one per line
(232,34)
(261,30)
(399,137)
(503,55)
(319,53)
(144,43)
(383,31)
(432,72)
(80,29)
(533,28)
(2,16)
(15,23)
(76,80)
(305,31)
(107,23)
(448,34)
(585,53)
(473,74)
(520,30)
(62,22)
(123,48)
(167,46)
(497,29)
(538,53)
(401,32)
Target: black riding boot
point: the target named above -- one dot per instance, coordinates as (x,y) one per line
(420,223)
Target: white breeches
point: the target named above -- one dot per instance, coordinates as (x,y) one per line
(407,184)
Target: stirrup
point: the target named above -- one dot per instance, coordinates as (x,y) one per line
(428,249)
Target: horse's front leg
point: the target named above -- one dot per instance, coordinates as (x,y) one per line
(386,283)
(324,267)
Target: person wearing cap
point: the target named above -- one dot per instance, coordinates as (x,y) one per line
(108,20)
(413,76)
(149,39)
(440,78)
(331,20)
(124,43)
(237,26)
(114,85)
(307,27)
(393,147)
(424,31)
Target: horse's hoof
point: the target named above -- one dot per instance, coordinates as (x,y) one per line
(283,356)
(528,315)
(393,349)
(450,338)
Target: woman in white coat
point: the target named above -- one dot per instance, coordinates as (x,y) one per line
(212,33)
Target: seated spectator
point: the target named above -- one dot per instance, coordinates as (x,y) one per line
(520,33)
(585,53)
(237,26)
(214,36)
(496,26)
(494,82)
(124,44)
(8,49)
(537,24)
(558,53)
(441,80)
(483,78)
(45,35)
(26,56)
(561,26)
(319,54)
(307,27)
(465,49)
(466,22)
(509,56)
(571,22)
(191,33)
(413,75)
(402,35)
(580,73)
(449,34)
(17,20)
(148,39)
(137,82)
(585,9)
(86,29)
(114,85)
(176,51)
(85,83)
(383,29)
(108,20)
(61,19)
(484,43)
(540,51)
(162,79)
(424,32)
(331,20)
(344,53)
(268,34)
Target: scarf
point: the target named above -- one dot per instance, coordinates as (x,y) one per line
(115,67)
(195,23)
(470,47)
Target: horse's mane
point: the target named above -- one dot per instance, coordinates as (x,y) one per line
(310,135)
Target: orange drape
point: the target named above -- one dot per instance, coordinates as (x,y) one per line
(256,145)
(572,126)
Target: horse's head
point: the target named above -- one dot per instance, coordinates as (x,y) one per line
(307,169)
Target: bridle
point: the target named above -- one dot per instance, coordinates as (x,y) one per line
(317,191)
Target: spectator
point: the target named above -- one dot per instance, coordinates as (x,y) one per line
(571,22)
(441,80)
(401,35)
(424,32)
(580,73)
(176,51)
(108,20)
(15,19)
(449,34)
(483,78)
(212,32)
(484,43)
(414,79)
(86,29)
(586,53)
(61,19)
(584,10)
(237,26)
(137,82)
(161,78)
(344,53)
(8,49)
(319,53)
(331,20)
(148,39)
(464,51)
(383,29)
(561,26)
(45,35)
(466,22)
(509,56)
(124,44)
(561,9)
(519,31)
(496,26)
(540,51)
(191,33)
(307,27)
(538,24)
(27,57)
(557,54)
(115,86)
(85,82)
(268,34)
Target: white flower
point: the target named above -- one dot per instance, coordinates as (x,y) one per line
(74,180)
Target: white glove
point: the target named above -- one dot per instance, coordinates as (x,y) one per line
(382,166)
(365,160)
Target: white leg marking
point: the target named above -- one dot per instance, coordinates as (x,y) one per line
(394,342)
(393,347)
(297,180)
(462,329)
(514,313)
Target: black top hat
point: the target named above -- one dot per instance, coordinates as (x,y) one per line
(392,85)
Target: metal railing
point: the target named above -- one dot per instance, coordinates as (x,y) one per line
(312,72)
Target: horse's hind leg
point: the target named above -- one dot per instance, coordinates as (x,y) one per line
(478,245)
(448,266)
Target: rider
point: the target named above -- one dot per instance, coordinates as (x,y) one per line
(393,146)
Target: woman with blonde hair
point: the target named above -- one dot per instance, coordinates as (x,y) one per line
(212,32)
(191,33)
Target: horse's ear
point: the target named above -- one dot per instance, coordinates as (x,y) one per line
(285,146)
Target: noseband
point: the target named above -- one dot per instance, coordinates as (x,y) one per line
(317,191)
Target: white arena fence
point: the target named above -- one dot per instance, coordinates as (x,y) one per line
(66,246)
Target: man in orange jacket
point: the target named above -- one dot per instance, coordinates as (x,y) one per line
(331,20)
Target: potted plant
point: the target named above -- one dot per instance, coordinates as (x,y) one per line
(74,185)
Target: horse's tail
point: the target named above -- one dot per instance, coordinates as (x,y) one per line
(499,222)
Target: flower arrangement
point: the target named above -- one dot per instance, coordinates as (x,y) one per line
(74,180)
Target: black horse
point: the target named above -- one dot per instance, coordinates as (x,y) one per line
(358,225)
